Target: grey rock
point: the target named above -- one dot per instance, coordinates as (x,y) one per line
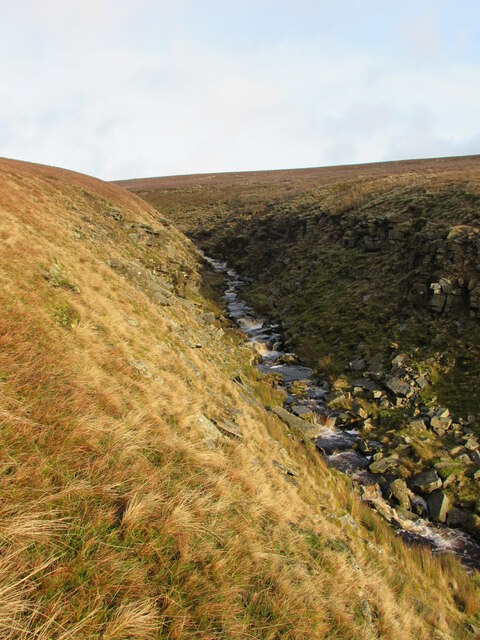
(419,505)
(305,428)
(384,464)
(211,435)
(427,481)
(422,382)
(441,424)
(358,364)
(475,457)
(457,517)
(438,506)
(229,427)
(398,387)
(418,423)
(348,521)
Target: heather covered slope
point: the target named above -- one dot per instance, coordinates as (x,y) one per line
(139,494)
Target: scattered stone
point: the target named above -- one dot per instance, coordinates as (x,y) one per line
(371,492)
(472,444)
(348,521)
(358,364)
(284,469)
(212,436)
(456,451)
(302,411)
(427,481)
(366,611)
(405,517)
(438,506)
(229,427)
(403,450)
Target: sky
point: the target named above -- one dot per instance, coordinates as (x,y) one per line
(136,88)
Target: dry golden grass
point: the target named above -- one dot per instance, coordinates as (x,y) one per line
(117,521)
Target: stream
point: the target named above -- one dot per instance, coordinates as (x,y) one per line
(305,397)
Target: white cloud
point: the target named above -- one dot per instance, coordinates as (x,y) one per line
(81,89)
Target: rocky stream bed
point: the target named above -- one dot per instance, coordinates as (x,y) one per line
(409,506)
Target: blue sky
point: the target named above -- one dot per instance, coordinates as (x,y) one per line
(136,88)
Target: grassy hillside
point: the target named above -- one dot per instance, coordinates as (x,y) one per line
(140,494)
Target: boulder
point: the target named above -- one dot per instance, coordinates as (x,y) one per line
(398,387)
(458,517)
(418,424)
(426,482)
(475,457)
(400,491)
(438,506)
(440,424)
(305,428)
(422,382)
(384,464)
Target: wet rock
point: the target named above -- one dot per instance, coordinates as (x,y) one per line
(400,491)
(419,505)
(405,517)
(438,506)
(427,481)
(457,517)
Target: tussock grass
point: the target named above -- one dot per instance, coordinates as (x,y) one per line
(117,521)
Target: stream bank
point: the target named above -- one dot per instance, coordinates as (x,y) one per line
(306,411)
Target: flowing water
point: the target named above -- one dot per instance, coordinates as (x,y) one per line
(305,396)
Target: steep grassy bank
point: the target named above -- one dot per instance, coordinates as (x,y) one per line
(374,272)
(140,494)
